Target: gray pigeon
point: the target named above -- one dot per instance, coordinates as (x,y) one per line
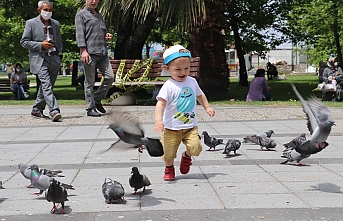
(26,172)
(113,191)
(41,181)
(318,122)
(137,180)
(252,138)
(297,141)
(291,153)
(1,187)
(56,194)
(211,142)
(232,145)
(131,134)
(266,142)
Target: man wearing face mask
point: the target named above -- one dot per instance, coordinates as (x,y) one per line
(42,37)
(91,37)
(332,77)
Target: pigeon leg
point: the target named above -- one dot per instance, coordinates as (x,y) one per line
(301,164)
(134,193)
(143,189)
(54,208)
(140,149)
(29,186)
(63,208)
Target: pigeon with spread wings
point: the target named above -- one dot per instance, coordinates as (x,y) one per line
(318,123)
(132,135)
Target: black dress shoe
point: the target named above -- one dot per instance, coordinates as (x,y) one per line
(100,108)
(93,113)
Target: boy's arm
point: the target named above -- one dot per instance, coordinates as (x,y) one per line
(204,102)
(161,104)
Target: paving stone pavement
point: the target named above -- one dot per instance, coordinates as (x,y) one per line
(250,186)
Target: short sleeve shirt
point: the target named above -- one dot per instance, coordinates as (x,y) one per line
(180,110)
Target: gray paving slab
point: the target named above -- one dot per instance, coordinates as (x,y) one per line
(250,186)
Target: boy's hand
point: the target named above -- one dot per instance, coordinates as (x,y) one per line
(159,126)
(210,111)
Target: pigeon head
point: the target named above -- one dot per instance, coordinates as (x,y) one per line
(326,125)
(34,167)
(303,135)
(134,170)
(204,133)
(269,133)
(21,165)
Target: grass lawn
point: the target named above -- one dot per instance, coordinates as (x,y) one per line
(282,93)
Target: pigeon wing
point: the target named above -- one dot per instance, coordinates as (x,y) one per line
(119,145)
(319,109)
(126,122)
(146,181)
(312,120)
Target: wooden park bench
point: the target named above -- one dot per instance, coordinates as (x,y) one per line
(131,75)
(5,85)
(143,72)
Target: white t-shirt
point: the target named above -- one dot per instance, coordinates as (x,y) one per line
(180,109)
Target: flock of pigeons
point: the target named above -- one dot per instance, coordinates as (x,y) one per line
(131,135)
(299,148)
(56,192)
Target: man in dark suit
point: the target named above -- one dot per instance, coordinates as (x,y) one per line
(42,37)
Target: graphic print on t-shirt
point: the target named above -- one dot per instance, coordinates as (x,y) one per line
(185,104)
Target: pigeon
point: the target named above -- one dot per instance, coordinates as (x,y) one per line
(266,142)
(252,138)
(56,194)
(26,172)
(296,141)
(113,191)
(211,142)
(131,134)
(291,153)
(137,180)
(41,181)
(318,122)
(1,187)
(232,145)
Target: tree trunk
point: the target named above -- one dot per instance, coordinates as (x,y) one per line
(131,36)
(243,76)
(209,45)
(336,31)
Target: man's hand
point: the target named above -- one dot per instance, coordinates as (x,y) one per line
(47,45)
(85,57)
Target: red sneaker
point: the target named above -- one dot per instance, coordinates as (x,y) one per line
(185,164)
(169,174)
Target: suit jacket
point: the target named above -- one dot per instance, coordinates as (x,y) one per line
(33,37)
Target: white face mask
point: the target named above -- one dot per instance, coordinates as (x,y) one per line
(46,15)
(18,69)
(335,64)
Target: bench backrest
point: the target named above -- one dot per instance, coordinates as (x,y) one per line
(156,68)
